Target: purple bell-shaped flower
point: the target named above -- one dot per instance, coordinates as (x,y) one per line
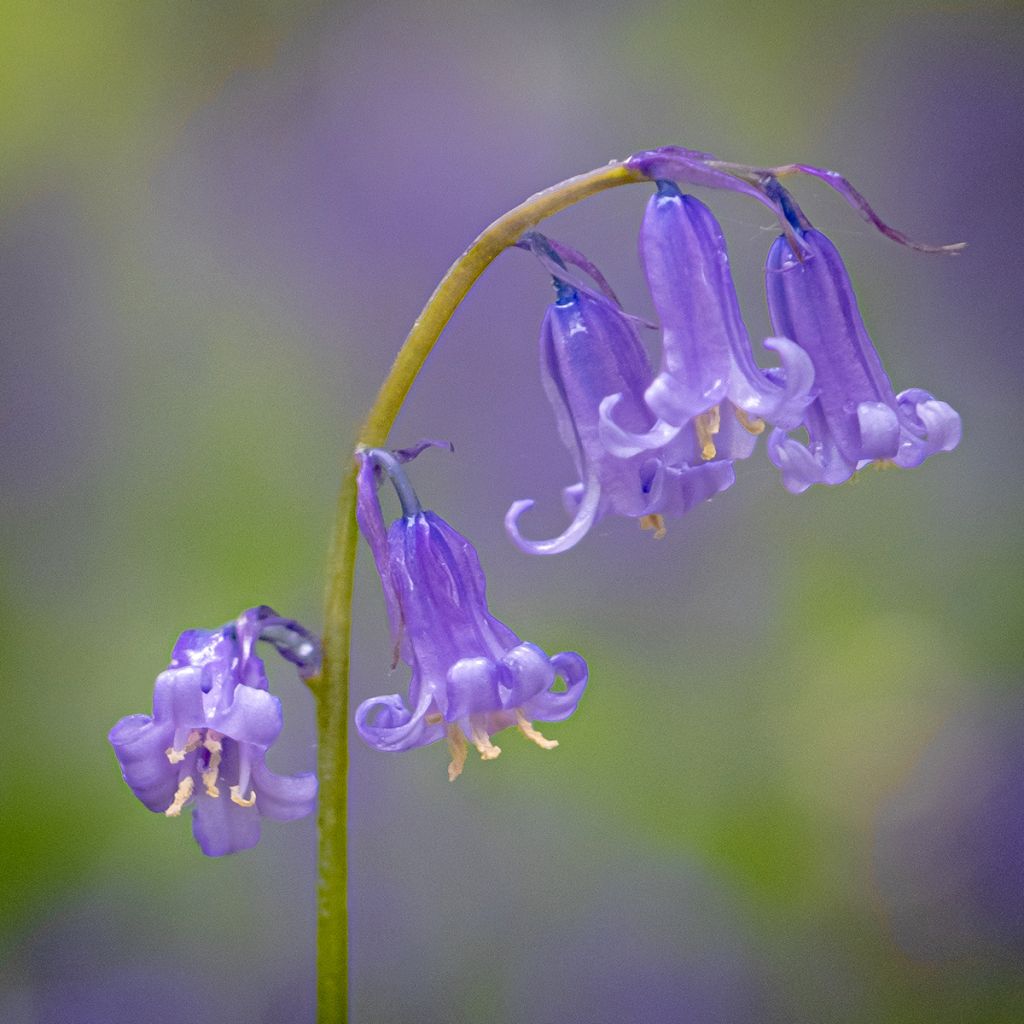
(856,417)
(213,721)
(471,675)
(589,351)
(709,381)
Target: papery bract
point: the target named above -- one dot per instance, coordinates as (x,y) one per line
(213,721)
(472,676)
(856,417)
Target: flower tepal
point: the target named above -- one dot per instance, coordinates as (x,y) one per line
(856,418)
(472,676)
(213,721)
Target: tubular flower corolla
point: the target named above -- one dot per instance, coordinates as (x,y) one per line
(856,417)
(213,721)
(471,675)
(709,380)
(589,350)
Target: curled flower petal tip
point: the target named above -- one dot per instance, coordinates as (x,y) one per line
(213,721)
(472,676)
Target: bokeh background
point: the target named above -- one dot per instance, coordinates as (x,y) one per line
(795,789)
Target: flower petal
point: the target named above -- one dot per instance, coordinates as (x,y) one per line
(552,706)
(221,826)
(140,744)
(394,727)
(624,443)
(879,430)
(254,716)
(586,516)
(282,797)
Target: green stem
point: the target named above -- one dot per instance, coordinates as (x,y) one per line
(331,688)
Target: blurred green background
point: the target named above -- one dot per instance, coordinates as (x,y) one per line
(795,789)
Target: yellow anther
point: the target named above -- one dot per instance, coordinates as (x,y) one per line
(182,795)
(482,742)
(213,745)
(434,718)
(458,749)
(751,424)
(525,726)
(654,522)
(237,798)
(176,756)
(707,424)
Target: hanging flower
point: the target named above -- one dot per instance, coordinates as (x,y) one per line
(471,675)
(709,381)
(856,417)
(213,721)
(589,350)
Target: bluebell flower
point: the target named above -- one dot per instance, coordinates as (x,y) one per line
(856,416)
(213,721)
(709,381)
(471,675)
(589,351)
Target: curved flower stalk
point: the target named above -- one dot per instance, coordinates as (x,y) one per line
(590,350)
(856,417)
(706,354)
(471,675)
(213,721)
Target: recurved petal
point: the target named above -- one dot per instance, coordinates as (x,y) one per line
(221,826)
(931,426)
(254,716)
(800,467)
(554,706)
(879,430)
(779,396)
(387,724)
(282,797)
(140,745)
(685,487)
(472,688)
(178,696)
(623,443)
(586,515)
(531,672)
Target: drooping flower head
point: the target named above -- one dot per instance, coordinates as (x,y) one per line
(471,675)
(709,380)
(213,721)
(856,417)
(589,350)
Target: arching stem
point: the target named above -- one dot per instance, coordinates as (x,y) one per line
(331,687)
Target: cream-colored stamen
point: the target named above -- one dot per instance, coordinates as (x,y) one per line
(176,756)
(525,726)
(458,750)
(434,718)
(182,795)
(751,424)
(707,424)
(654,522)
(479,738)
(213,744)
(237,798)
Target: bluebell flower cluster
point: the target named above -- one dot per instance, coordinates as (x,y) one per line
(651,445)
(646,445)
